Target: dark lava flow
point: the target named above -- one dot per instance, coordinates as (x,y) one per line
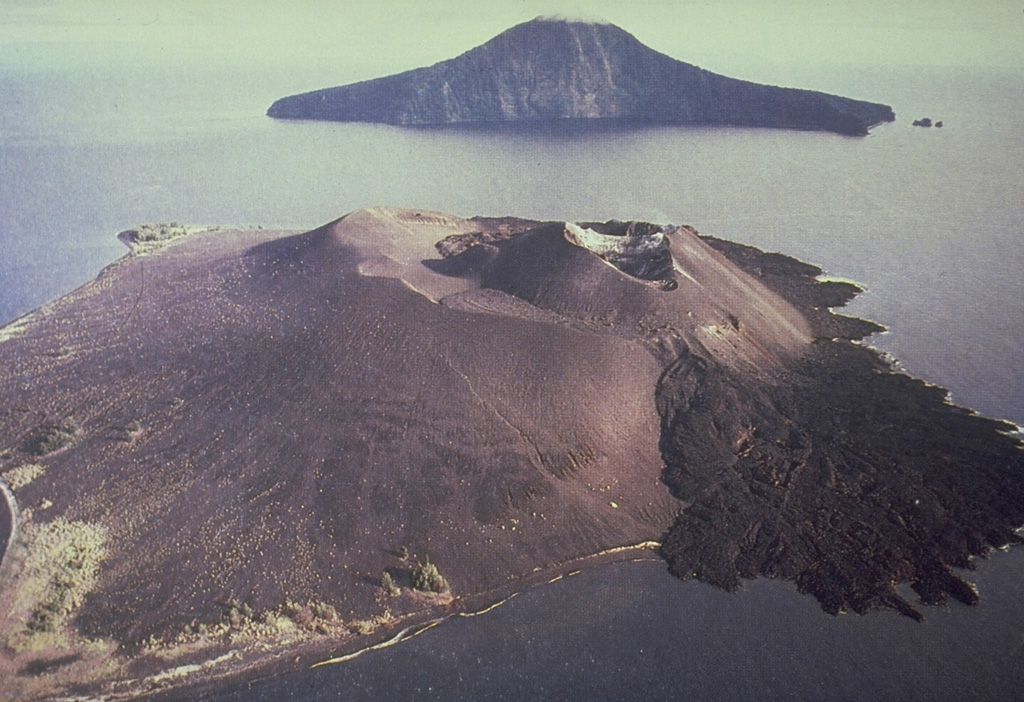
(847,477)
(840,473)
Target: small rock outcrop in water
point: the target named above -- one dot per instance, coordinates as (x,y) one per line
(925,122)
(555,70)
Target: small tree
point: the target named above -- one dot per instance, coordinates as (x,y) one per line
(387,583)
(426,578)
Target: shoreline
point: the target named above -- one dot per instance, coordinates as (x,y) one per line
(317,654)
(470,605)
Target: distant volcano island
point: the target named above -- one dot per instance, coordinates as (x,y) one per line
(551,71)
(238,452)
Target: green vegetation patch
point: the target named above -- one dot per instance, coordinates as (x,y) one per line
(150,235)
(241,621)
(49,438)
(363,627)
(23,475)
(60,567)
(313,616)
(387,583)
(157,232)
(427,578)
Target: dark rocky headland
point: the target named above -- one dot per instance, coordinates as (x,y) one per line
(238,452)
(547,71)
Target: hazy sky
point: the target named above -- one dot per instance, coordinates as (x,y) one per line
(387,35)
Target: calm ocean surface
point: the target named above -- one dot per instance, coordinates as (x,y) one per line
(930,221)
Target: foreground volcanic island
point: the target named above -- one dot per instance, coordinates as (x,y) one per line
(222,445)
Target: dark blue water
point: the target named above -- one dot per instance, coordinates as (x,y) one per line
(629,631)
(930,221)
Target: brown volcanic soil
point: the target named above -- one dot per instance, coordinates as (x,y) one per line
(266,418)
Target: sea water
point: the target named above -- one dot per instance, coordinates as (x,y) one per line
(928,220)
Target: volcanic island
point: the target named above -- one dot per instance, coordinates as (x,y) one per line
(241,452)
(571,74)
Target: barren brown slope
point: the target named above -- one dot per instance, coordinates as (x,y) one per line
(300,420)
(266,418)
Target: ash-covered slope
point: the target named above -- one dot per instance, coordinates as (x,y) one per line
(221,447)
(547,70)
(261,420)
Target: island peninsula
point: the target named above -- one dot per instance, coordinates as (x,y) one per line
(240,451)
(552,71)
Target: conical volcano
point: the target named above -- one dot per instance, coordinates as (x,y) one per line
(553,70)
